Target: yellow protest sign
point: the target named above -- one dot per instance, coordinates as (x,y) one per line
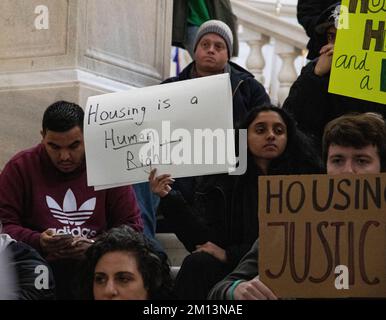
(359,62)
(323,236)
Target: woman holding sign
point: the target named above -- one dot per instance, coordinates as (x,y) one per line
(275,146)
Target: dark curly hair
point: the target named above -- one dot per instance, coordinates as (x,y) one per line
(62,116)
(154,269)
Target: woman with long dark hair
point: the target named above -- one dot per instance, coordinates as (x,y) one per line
(275,146)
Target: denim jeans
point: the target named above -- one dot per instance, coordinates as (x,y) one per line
(148,203)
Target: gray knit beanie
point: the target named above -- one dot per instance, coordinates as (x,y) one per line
(218,27)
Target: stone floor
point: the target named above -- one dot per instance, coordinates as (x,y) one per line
(173,247)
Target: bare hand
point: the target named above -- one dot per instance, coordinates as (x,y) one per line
(213,249)
(51,244)
(253,290)
(75,250)
(160,185)
(323,66)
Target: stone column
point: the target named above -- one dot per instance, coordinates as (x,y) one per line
(255,61)
(71,49)
(287,74)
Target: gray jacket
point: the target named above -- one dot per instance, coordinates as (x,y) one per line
(246,270)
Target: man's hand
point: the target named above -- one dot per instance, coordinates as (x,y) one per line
(253,290)
(323,66)
(76,250)
(51,244)
(212,249)
(160,185)
(63,248)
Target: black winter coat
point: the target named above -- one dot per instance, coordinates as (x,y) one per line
(313,106)
(247,92)
(24,260)
(196,209)
(223,209)
(199,209)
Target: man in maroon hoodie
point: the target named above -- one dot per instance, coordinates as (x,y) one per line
(45,201)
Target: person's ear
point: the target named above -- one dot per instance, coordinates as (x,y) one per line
(42,133)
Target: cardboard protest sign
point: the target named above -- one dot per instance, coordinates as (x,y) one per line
(183,128)
(359,62)
(323,236)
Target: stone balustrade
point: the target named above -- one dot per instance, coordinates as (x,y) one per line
(258,28)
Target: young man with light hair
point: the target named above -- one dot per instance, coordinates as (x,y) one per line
(355,143)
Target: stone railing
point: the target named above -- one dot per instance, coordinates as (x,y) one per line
(258,28)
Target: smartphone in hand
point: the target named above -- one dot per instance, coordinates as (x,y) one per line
(66,238)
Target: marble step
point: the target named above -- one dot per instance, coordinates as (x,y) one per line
(173,247)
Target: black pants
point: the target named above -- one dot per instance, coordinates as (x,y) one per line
(190,229)
(66,278)
(199,272)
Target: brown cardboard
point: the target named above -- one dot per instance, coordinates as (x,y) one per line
(343,220)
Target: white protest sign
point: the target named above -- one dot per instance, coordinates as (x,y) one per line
(182,128)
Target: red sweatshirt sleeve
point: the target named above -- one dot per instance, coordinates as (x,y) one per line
(12,206)
(122,208)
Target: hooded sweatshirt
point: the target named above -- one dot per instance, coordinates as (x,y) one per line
(35,196)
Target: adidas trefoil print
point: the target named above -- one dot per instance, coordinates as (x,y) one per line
(69,213)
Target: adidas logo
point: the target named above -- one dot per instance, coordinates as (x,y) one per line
(70,214)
